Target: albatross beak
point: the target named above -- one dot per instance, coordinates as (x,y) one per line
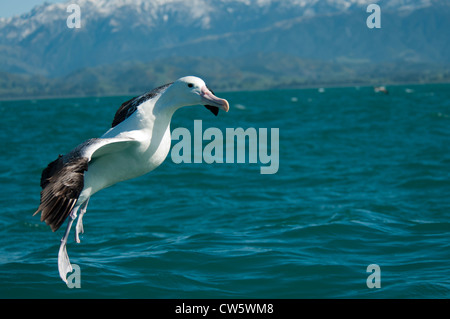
(212,102)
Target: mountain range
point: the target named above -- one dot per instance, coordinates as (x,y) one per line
(126,46)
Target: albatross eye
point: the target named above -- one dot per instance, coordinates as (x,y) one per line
(190,85)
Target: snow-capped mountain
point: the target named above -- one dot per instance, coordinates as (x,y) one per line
(151,12)
(39,42)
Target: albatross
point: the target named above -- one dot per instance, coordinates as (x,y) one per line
(138,142)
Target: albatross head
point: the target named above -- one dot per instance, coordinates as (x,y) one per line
(191,90)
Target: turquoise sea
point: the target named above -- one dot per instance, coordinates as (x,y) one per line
(364,178)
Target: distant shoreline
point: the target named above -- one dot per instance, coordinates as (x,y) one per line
(306,87)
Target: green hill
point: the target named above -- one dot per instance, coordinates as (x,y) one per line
(249,72)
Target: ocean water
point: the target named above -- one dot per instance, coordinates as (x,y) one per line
(363,179)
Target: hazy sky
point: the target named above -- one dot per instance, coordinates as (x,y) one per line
(10,8)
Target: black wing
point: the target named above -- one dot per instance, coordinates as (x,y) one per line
(62,183)
(129,107)
(63,180)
